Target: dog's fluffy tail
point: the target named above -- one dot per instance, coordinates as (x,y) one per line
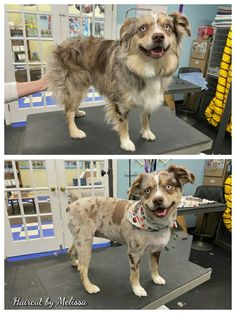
(57,76)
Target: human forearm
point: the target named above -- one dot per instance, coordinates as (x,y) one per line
(27,88)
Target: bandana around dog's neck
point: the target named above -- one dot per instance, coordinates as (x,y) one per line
(136,217)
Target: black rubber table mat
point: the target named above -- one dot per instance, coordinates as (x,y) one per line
(109,270)
(47,133)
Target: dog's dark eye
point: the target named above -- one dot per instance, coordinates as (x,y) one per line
(143,28)
(148,190)
(169,187)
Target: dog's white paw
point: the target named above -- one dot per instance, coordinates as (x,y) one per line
(75,263)
(139,291)
(148,135)
(127,145)
(76,133)
(92,289)
(158,280)
(80,113)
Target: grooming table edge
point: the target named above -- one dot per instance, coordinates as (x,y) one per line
(179,291)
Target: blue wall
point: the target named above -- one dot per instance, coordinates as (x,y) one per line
(197,14)
(197,166)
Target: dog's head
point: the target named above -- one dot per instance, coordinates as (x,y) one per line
(153,35)
(160,192)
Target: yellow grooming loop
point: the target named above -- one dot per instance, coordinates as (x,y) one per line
(214,111)
(227,216)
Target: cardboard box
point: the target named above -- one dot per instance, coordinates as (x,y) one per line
(199,64)
(213,181)
(215,168)
(200,49)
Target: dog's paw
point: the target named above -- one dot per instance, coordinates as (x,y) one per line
(80,113)
(148,135)
(75,263)
(76,133)
(139,291)
(159,280)
(92,289)
(127,145)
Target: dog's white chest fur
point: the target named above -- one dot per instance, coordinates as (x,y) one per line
(150,97)
(157,240)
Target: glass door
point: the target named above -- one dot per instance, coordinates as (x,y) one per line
(77,179)
(32,209)
(28,45)
(31,33)
(88,20)
(37,193)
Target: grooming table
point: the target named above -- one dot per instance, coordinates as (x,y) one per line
(47,133)
(110,271)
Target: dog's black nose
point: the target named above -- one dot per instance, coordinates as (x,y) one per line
(158,201)
(158,37)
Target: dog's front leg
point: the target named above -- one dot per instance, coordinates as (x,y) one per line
(154,259)
(134,276)
(123,130)
(145,127)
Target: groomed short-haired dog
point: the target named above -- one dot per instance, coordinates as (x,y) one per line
(144,226)
(132,72)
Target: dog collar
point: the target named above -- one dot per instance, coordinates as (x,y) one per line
(136,217)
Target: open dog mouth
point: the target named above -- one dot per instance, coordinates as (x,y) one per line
(163,211)
(155,52)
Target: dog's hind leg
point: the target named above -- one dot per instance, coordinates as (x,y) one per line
(154,259)
(80,113)
(84,251)
(145,127)
(71,112)
(74,131)
(73,256)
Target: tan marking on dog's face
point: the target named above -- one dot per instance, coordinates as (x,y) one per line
(161,192)
(118,212)
(141,39)
(146,27)
(166,187)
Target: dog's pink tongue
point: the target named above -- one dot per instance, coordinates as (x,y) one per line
(160,212)
(157,53)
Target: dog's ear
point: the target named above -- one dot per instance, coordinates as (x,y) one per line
(135,189)
(127,31)
(181,25)
(182,174)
